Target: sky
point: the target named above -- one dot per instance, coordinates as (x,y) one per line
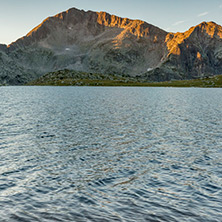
(18,17)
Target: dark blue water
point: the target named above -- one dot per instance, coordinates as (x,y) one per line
(110,154)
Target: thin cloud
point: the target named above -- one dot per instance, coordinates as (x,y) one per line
(203,14)
(178,23)
(220,6)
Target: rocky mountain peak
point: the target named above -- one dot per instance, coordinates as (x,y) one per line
(209,29)
(75,24)
(202,33)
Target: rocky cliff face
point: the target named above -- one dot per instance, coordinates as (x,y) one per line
(100,42)
(192,54)
(3,47)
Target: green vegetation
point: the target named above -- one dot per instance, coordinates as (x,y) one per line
(76,78)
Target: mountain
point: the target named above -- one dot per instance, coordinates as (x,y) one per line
(98,42)
(193,54)
(84,41)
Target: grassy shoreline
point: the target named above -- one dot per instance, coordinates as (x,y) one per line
(211,82)
(77,78)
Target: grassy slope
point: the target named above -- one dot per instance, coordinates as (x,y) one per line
(74,78)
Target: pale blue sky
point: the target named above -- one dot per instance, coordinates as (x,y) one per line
(18,17)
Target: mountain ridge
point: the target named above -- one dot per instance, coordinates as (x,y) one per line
(104,18)
(101,42)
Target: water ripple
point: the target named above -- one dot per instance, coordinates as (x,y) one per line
(110,154)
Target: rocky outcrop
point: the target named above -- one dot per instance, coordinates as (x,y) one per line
(104,43)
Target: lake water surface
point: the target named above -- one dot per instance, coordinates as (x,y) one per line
(110,154)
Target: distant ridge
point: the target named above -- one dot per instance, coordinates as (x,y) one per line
(100,42)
